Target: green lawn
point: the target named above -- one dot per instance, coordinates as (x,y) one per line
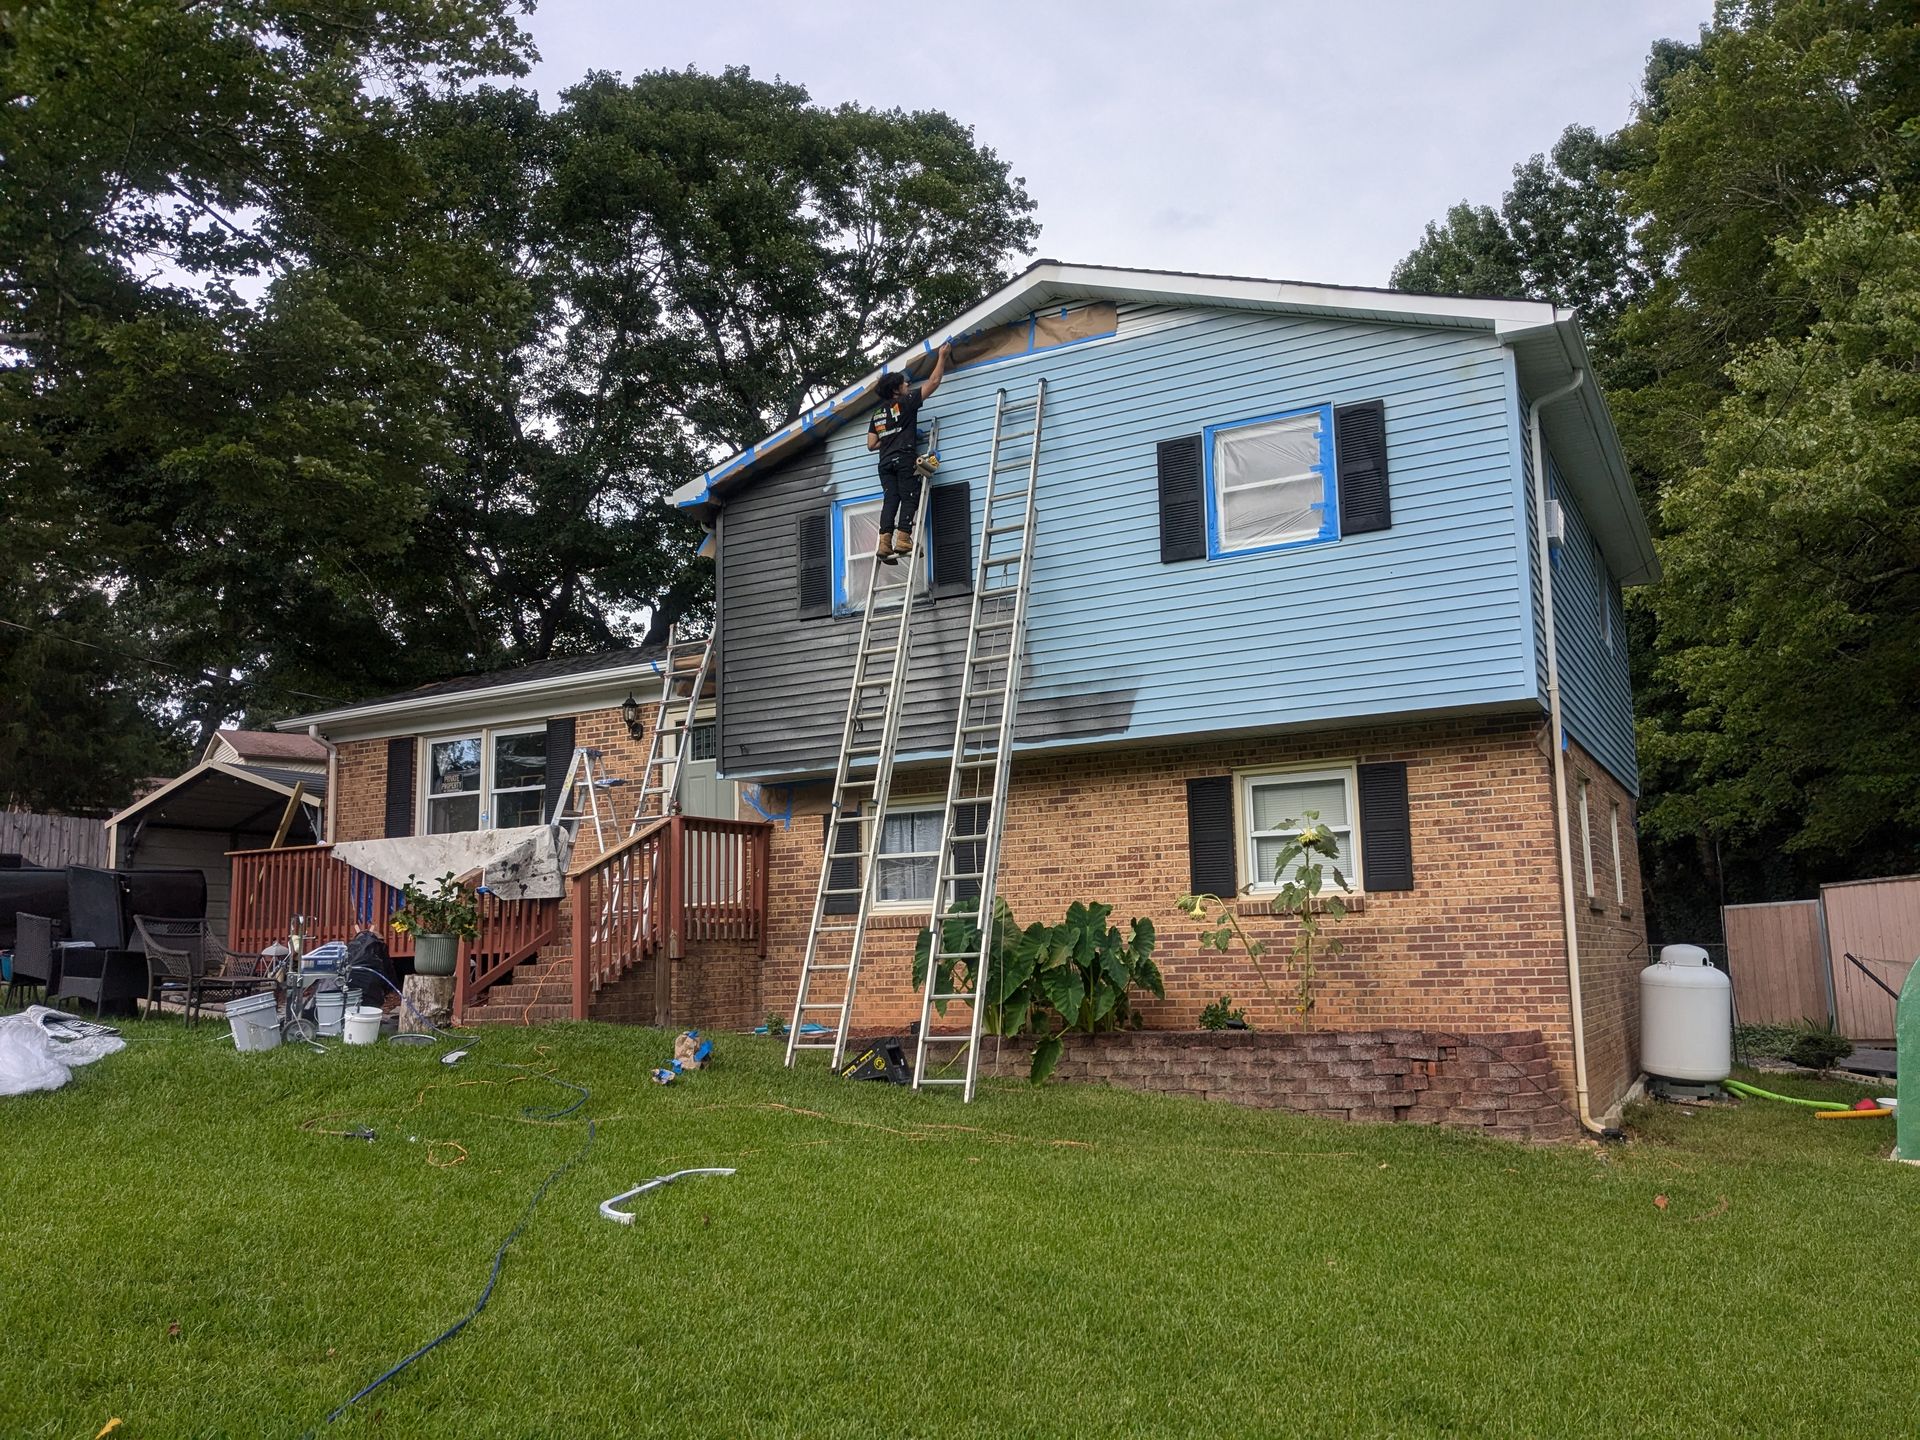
(184,1255)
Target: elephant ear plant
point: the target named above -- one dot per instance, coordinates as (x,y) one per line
(1045,980)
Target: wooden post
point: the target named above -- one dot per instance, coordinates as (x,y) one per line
(582,893)
(761,849)
(286,816)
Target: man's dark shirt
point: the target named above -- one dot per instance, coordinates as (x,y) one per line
(897,424)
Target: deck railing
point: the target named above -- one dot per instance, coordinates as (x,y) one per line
(270,887)
(684,878)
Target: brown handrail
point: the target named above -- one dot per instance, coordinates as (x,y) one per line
(684,878)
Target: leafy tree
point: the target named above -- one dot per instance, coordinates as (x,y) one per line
(1791,608)
(1561,234)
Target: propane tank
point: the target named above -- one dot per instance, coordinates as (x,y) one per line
(1686,1017)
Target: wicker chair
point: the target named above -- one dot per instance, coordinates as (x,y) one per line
(32,955)
(185,962)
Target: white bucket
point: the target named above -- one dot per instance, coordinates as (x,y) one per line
(363,1025)
(331,1007)
(255,1021)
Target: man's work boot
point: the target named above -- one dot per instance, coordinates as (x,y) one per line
(902,542)
(883,551)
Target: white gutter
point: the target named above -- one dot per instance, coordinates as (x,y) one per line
(481,697)
(1568,912)
(333,757)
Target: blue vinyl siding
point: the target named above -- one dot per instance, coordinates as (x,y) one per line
(1596,695)
(1430,615)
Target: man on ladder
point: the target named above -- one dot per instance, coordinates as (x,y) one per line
(894,431)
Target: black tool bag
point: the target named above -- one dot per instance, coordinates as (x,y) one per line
(882,1060)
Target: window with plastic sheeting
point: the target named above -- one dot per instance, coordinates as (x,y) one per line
(854,541)
(1270,482)
(908,851)
(1273,810)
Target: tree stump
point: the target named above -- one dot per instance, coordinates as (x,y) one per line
(432,996)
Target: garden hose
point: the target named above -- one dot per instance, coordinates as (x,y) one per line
(1754,1090)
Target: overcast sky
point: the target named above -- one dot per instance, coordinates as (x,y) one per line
(1306,141)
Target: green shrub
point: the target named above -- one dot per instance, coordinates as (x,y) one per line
(1221,1015)
(1820,1049)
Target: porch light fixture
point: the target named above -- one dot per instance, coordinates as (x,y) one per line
(630,712)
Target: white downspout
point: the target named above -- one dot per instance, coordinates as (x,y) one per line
(1568,912)
(333,759)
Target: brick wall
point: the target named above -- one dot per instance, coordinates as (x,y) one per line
(1611,928)
(1474,947)
(360,790)
(1497,1083)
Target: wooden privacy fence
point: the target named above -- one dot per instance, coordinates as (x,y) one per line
(53,841)
(1788,959)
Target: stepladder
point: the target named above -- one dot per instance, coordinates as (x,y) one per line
(862,787)
(960,942)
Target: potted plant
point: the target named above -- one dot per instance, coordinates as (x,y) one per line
(438,919)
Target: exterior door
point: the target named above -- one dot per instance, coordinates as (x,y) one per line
(702,791)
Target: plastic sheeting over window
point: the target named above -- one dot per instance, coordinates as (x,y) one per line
(859,535)
(1271,482)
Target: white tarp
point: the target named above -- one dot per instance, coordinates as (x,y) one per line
(528,862)
(40,1046)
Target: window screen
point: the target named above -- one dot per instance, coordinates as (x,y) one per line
(1271,483)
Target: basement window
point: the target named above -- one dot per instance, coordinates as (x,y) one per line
(1273,810)
(908,852)
(1270,483)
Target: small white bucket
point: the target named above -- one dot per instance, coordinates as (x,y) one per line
(363,1025)
(331,1007)
(255,1021)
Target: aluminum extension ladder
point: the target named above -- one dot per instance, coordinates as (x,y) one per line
(685,677)
(858,805)
(969,855)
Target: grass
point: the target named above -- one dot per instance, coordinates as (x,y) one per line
(189,1252)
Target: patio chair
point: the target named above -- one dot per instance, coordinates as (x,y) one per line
(185,962)
(32,955)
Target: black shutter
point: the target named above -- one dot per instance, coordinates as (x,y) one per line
(844,874)
(1360,455)
(1386,829)
(559,761)
(400,787)
(1183,500)
(813,559)
(1212,846)
(950,522)
(969,855)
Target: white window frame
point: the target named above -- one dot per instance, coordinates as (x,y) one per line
(1586,836)
(914,804)
(1221,545)
(491,812)
(486,735)
(1619,875)
(424,786)
(1244,782)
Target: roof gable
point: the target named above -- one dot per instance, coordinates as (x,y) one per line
(1546,341)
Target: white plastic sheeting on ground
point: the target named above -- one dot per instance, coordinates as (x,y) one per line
(40,1046)
(525,863)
